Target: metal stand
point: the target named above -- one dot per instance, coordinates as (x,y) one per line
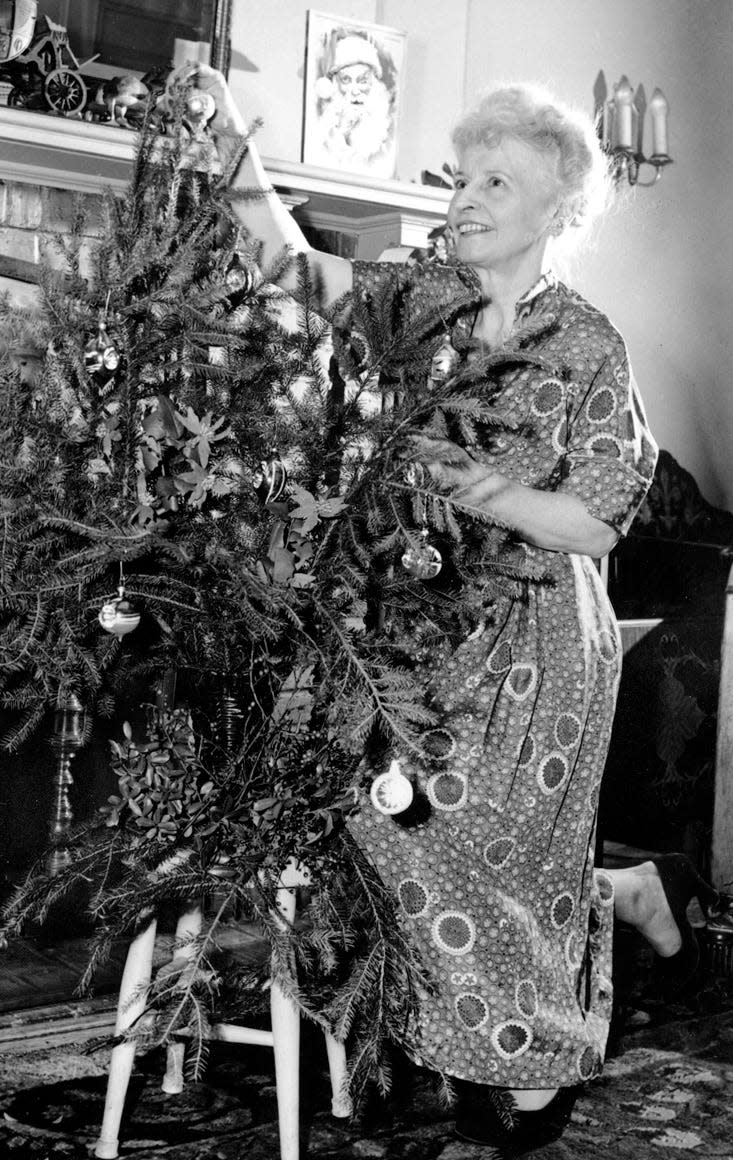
(68,737)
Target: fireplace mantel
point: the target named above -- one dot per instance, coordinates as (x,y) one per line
(84,157)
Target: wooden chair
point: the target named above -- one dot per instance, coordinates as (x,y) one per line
(283,1038)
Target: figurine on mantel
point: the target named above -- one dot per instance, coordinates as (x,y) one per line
(17,28)
(46,74)
(124,96)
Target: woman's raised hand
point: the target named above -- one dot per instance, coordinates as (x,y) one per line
(227,122)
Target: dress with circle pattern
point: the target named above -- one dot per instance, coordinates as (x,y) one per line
(497,887)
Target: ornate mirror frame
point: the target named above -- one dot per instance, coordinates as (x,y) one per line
(221,41)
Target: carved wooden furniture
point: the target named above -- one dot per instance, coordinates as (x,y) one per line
(667,581)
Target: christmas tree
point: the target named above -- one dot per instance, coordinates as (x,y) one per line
(209,486)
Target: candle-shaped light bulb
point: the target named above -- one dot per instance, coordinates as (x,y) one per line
(609,124)
(659,110)
(624,120)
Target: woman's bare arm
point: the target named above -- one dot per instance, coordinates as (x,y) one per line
(266,218)
(557,521)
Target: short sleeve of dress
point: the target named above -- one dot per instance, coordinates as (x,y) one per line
(610,453)
(431,291)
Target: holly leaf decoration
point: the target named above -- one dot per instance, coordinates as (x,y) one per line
(205,432)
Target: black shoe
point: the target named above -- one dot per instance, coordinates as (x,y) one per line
(484,1114)
(490,1116)
(681,883)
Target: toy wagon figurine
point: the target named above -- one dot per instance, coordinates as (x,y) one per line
(17,25)
(45,74)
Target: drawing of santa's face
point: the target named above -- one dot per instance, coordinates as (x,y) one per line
(355,83)
(356,124)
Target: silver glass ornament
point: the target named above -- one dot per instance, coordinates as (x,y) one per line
(443,363)
(271,479)
(119,617)
(200,108)
(414,475)
(423,561)
(100,353)
(238,278)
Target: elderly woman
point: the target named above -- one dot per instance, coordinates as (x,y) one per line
(498,886)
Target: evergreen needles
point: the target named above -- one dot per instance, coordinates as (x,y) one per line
(176,383)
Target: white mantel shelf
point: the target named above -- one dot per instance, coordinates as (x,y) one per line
(83,156)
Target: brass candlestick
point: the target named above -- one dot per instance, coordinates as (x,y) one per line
(68,736)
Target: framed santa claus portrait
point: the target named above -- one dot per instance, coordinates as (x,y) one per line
(353,84)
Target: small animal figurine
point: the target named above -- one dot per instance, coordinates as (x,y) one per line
(122,96)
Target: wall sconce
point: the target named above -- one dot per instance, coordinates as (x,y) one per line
(620,126)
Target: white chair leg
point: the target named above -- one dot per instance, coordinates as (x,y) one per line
(286,1030)
(286,1046)
(133,996)
(284,1037)
(187,930)
(172,1083)
(342,1105)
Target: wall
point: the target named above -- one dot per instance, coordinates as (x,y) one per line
(268,57)
(660,266)
(661,260)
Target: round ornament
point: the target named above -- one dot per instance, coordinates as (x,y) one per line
(414,475)
(200,106)
(423,561)
(271,479)
(391,792)
(101,354)
(443,364)
(119,617)
(238,278)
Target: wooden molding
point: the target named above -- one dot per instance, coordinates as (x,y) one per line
(67,154)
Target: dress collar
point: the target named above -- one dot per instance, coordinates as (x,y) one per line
(545,282)
(537,312)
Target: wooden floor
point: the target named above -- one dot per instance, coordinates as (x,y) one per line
(38,972)
(39,977)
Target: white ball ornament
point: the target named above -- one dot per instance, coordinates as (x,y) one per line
(119,617)
(391,792)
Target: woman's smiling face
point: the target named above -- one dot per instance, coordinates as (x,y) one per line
(503,207)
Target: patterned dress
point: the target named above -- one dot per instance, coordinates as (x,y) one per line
(497,887)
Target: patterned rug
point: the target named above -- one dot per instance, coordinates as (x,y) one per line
(666,1093)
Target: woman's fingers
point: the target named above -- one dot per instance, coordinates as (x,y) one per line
(446,475)
(427,450)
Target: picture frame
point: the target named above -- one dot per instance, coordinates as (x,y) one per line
(353,87)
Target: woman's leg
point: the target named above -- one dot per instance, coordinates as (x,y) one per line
(641,902)
(532,1099)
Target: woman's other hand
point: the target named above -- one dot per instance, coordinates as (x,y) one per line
(555,521)
(449,465)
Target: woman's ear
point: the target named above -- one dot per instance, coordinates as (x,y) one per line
(558,220)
